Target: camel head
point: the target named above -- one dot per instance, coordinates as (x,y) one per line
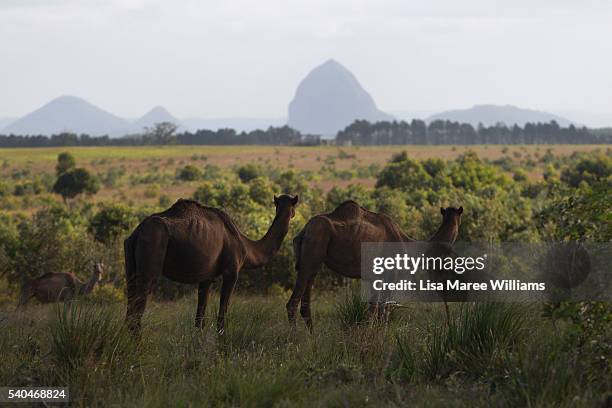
(98,270)
(451,215)
(284,202)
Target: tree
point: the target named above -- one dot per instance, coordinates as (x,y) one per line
(65,162)
(74,182)
(161,133)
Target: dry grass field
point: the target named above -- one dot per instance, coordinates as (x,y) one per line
(167,159)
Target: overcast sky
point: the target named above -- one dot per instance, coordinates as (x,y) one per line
(227,58)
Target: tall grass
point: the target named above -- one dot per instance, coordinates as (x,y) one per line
(477,335)
(492,355)
(86,338)
(351,310)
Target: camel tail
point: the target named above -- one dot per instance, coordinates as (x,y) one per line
(131,278)
(297,248)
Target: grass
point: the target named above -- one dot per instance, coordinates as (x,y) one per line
(486,358)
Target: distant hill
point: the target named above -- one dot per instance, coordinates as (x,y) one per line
(489,115)
(329,99)
(156,115)
(68,114)
(4,122)
(73,114)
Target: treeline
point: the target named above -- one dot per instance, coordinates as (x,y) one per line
(360,132)
(164,134)
(444,132)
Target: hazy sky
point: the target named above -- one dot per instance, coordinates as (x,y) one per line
(245,58)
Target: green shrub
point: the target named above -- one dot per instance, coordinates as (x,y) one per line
(249,172)
(189,173)
(111,222)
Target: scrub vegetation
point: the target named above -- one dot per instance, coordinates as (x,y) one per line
(64,215)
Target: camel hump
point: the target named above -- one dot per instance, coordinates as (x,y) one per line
(347,210)
(185,208)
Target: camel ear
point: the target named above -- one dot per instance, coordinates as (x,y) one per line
(442,210)
(294,200)
(460,210)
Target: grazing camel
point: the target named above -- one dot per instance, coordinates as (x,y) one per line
(59,287)
(335,238)
(191,243)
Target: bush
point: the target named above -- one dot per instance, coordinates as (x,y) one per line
(589,169)
(112,221)
(249,172)
(65,162)
(189,173)
(74,182)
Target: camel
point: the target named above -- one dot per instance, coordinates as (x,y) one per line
(194,244)
(335,238)
(59,287)
(440,245)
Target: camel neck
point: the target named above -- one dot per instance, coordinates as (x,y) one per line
(260,252)
(447,232)
(89,285)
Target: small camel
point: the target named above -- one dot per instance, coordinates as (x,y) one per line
(192,243)
(59,287)
(335,238)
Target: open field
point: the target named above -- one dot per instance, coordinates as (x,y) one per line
(303,158)
(260,362)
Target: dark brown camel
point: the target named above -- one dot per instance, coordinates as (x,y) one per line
(59,287)
(335,238)
(191,243)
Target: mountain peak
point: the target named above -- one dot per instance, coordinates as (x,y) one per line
(156,115)
(67,113)
(330,98)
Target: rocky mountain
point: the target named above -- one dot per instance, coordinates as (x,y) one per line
(491,114)
(71,114)
(328,99)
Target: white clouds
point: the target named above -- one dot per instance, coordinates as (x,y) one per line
(239,57)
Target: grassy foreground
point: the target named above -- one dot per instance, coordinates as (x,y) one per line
(493,355)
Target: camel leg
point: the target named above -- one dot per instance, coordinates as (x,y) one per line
(447,314)
(149,251)
(137,302)
(305,306)
(303,281)
(203,290)
(229,282)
